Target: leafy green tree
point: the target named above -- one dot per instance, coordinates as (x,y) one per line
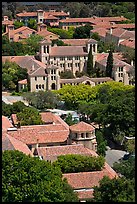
(129,55)
(33,42)
(90,63)
(29,116)
(80,74)
(59,43)
(62,33)
(7,109)
(126,167)
(109,66)
(11,74)
(73,163)
(67,74)
(18,24)
(101,143)
(115,190)
(42,99)
(18,106)
(32,23)
(82,32)
(95,36)
(69,120)
(28,179)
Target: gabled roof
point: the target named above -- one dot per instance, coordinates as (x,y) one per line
(25,14)
(24,81)
(68,51)
(128,43)
(45,33)
(10,143)
(22,29)
(81,127)
(6,123)
(89,179)
(49,133)
(51,153)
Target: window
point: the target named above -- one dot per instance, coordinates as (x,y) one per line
(42,86)
(39,86)
(40,20)
(35,78)
(52,71)
(84,57)
(44,78)
(82,135)
(121,69)
(54,58)
(36,86)
(69,58)
(54,77)
(119,74)
(51,77)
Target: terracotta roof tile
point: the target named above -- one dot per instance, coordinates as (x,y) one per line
(10,143)
(89,179)
(25,14)
(6,123)
(84,194)
(68,50)
(24,81)
(45,33)
(128,43)
(101,31)
(77,42)
(82,127)
(50,133)
(51,153)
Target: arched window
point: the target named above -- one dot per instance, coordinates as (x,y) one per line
(87,83)
(53,86)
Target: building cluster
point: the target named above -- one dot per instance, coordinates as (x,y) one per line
(44,69)
(55,138)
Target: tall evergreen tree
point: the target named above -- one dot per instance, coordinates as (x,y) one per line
(90,63)
(109,66)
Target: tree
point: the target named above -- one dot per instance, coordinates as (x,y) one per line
(6,109)
(69,120)
(73,163)
(18,24)
(67,74)
(11,74)
(33,42)
(32,23)
(62,33)
(95,36)
(115,190)
(126,168)
(59,43)
(82,32)
(109,66)
(90,63)
(28,179)
(42,99)
(101,143)
(29,116)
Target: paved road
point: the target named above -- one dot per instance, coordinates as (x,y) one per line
(113,155)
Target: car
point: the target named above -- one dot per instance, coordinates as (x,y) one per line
(127,156)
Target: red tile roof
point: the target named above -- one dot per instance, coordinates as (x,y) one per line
(122,33)
(7,22)
(10,143)
(6,123)
(68,50)
(25,14)
(128,43)
(45,33)
(77,42)
(89,179)
(81,127)
(50,133)
(24,81)
(85,193)
(101,31)
(51,153)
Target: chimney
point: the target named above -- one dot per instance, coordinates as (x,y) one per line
(111,31)
(5,18)
(132,63)
(38,26)
(10,29)
(43,27)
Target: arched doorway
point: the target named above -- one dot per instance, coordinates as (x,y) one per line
(53,86)
(87,83)
(120,80)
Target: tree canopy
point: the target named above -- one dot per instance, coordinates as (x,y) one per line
(11,74)
(115,190)
(73,163)
(82,32)
(28,179)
